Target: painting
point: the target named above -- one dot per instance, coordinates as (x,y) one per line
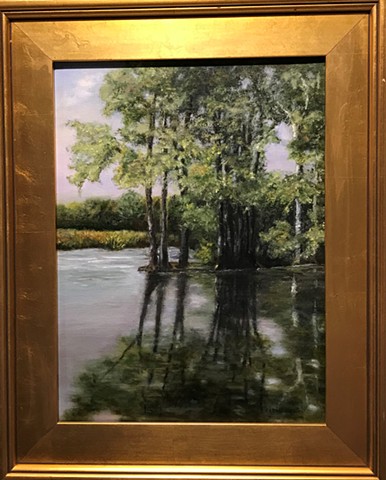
(190,242)
(41,440)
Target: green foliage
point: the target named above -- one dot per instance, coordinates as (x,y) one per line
(206,253)
(132,211)
(314,241)
(208,128)
(125,213)
(95,149)
(280,241)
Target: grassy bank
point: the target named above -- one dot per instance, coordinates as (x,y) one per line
(71,239)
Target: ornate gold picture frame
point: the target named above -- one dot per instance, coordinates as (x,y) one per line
(350,37)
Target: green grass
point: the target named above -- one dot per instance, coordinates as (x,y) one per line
(70,239)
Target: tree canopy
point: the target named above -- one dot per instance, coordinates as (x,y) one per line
(202,132)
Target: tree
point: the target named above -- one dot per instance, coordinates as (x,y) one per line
(232,126)
(142,96)
(299,97)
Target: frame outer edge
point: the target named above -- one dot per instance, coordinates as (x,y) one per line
(362,21)
(372,239)
(381,437)
(26,5)
(4,194)
(6,252)
(156,476)
(3,274)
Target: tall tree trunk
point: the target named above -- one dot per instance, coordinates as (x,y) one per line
(221,239)
(252,240)
(153,260)
(237,239)
(237,236)
(164,256)
(298,230)
(153,255)
(183,259)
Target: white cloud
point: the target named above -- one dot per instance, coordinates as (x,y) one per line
(76,86)
(77,98)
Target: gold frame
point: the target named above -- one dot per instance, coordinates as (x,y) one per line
(351,36)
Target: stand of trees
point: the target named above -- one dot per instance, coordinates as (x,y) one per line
(201,132)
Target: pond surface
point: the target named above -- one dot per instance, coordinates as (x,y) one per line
(196,346)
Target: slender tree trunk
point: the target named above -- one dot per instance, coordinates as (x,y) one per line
(153,260)
(153,255)
(183,259)
(221,239)
(252,241)
(164,256)
(298,229)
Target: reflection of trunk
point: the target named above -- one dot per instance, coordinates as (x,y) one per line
(164,257)
(158,317)
(158,313)
(178,327)
(298,219)
(182,282)
(151,282)
(234,340)
(299,372)
(294,311)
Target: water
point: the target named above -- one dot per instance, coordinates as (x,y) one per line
(196,346)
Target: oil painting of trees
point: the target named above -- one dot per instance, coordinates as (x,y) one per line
(196,291)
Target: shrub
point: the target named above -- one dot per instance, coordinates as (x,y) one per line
(70,239)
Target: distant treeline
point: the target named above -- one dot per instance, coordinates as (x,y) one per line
(121,223)
(125,213)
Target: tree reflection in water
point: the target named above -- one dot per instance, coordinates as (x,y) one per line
(261,359)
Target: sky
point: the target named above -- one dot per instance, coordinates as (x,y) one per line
(77,98)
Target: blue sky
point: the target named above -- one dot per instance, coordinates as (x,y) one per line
(77,98)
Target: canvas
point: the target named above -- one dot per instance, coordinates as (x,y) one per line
(190,216)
